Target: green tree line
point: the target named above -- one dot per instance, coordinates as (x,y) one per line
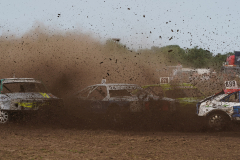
(173,55)
(192,57)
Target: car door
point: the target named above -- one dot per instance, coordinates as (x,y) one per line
(95,100)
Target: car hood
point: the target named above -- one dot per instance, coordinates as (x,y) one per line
(29,95)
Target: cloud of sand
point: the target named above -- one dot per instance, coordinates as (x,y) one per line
(69,61)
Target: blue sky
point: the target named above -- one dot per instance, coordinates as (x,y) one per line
(209,24)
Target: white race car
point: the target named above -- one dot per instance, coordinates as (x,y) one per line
(120,100)
(25,95)
(220,108)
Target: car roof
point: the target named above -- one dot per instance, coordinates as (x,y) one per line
(19,80)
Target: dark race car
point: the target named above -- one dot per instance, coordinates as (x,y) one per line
(116,101)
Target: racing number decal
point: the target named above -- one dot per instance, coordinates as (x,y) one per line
(231,84)
(44,95)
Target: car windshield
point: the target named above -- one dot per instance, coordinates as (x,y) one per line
(23,87)
(124,91)
(117,93)
(183,93)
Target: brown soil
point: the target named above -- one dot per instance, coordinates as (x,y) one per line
(26,141)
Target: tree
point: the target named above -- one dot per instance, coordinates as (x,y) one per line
(198,57)
(218,60)
(173,53)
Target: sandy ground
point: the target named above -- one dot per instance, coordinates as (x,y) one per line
(48,141)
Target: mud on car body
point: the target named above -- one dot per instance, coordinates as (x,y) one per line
(184,93)
(220,109)
(21,95)
(116,100)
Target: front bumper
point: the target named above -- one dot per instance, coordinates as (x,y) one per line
(197,107)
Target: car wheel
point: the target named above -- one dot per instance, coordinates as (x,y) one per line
(4,116)
(217,121)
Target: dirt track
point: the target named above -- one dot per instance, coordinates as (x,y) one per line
(21,141)
(69,62)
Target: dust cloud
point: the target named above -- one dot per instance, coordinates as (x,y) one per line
(67,62)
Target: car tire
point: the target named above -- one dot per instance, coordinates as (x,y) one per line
(217,121)
(4,116)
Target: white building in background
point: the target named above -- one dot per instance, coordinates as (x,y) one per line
(198,71)
(184,74)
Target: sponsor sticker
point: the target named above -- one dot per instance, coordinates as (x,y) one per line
(45,95)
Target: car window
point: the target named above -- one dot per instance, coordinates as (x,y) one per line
(85,92)
(23,87)
(98,93)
